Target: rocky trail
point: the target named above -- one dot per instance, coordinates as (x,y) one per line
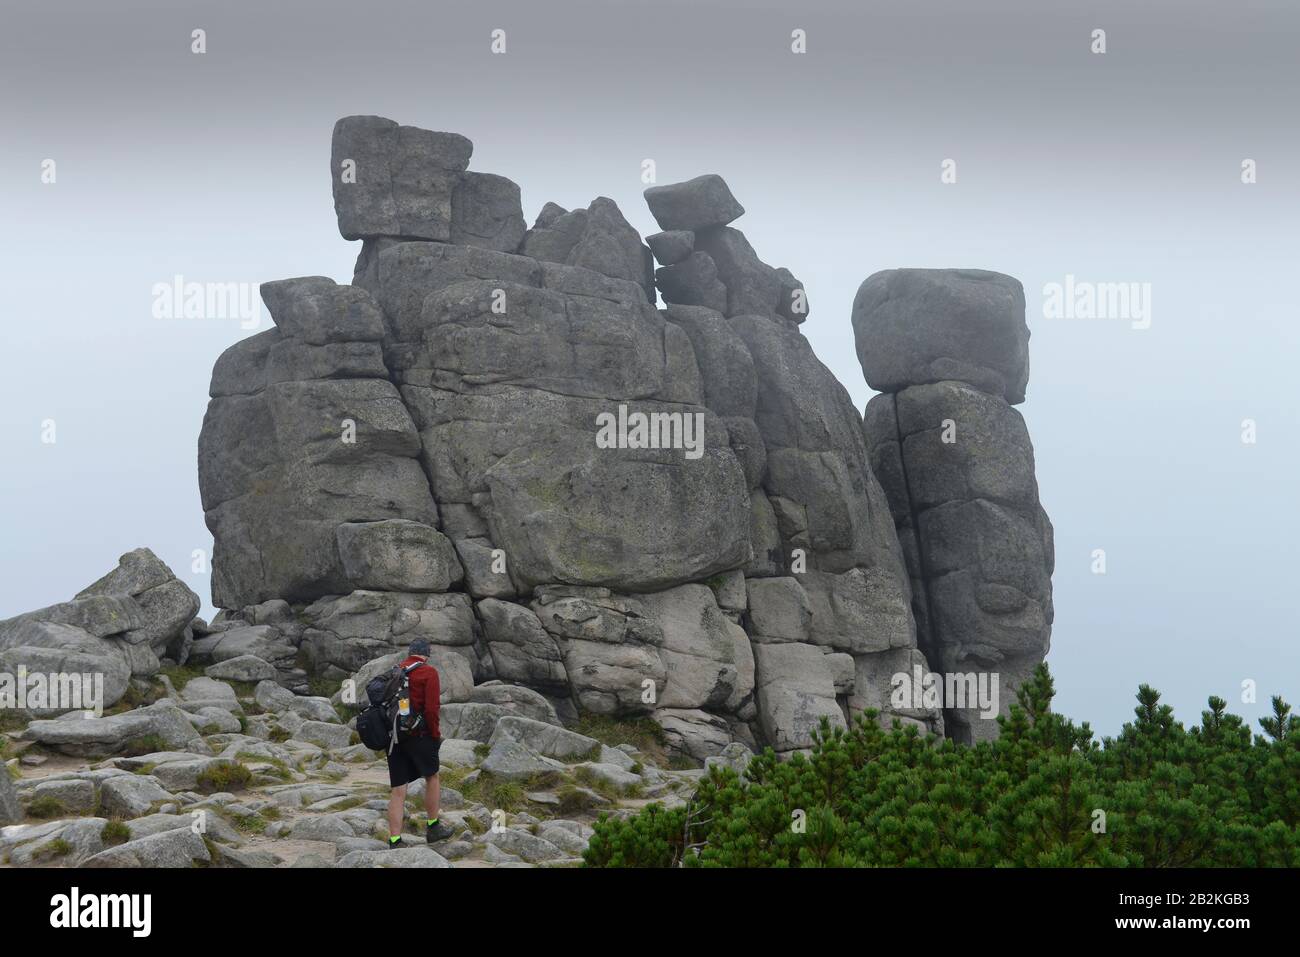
(238,775)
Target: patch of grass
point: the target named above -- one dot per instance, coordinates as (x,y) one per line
(271,812)
(644,734)
(481,750)
(214,851)
(181,675)
(249,823)
(573,800)
(494,793)
(134,698)
(349,803)
(346,712)
(209,729)
(145,744)
(681,762)
(224,776)
(637,767)
(323,687)
(278,735)
(606,789)
(11,720)
(52,849)
(45,807)
(115,832)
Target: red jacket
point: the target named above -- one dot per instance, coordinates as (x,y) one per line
(426,691)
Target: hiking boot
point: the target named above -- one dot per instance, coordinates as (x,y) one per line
(393,845)
(439,832)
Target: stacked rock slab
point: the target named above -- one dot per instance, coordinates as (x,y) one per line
(494,440)
(948,350)
(118,628)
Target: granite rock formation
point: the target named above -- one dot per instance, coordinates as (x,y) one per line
(494,439)
(948,350)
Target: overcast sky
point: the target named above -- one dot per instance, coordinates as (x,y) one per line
(1119,167)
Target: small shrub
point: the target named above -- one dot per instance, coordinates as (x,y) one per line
(52,849)
(224,776)
(46,807)
(279,735)
(115,832)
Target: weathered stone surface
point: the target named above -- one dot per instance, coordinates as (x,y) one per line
(671,246)
(598,238)
(521,649)
(405,857)
(475,366)
(485,212)
(726,369)
(113,629)
(753,287)
(343,634)
(177,847)
(281,469)
(693,281)
(694,204)
(951,348)
(96,737)
(404,178)
(242,668)
(698,648)
(50,648)
(795,690)
(915,326)
(397,555)
(131,795)
(694,733)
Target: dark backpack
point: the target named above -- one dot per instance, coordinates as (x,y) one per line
(389,713)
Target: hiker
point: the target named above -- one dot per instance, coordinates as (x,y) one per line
(415,754)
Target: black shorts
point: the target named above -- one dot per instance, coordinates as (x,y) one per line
(412,759)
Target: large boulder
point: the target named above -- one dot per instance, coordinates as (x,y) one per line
(915,326)
(82,653)
(950,349)
(392,180)
(75,734)
(695,204)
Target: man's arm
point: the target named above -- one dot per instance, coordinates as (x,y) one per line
(432,699)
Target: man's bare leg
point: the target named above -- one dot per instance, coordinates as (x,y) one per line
(396,811)
(432,796)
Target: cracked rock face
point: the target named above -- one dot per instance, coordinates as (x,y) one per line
(494,440)
(948,350)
